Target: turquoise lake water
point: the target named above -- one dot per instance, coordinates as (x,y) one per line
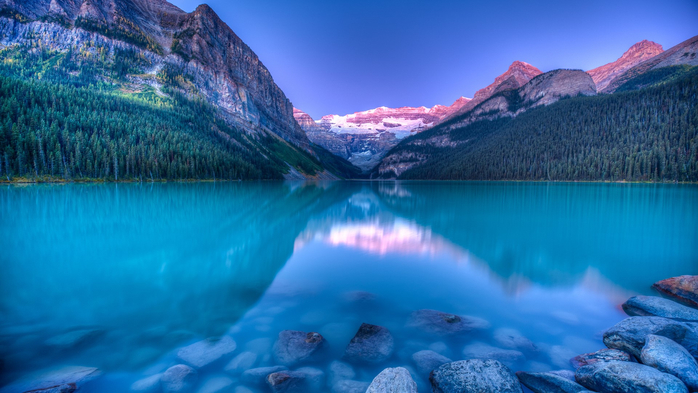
(150,268)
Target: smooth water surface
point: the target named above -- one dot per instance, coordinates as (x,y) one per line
(148,268)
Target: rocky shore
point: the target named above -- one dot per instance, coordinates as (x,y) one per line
(654,350)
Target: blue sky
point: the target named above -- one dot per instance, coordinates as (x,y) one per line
(339,56)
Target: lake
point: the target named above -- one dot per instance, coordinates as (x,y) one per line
(120,276)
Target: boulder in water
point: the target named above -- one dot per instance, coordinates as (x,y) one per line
(371,344)
(475,375)
(669,357)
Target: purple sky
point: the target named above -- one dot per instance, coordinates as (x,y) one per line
(340,56)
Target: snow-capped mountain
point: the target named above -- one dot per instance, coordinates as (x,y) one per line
(365,137)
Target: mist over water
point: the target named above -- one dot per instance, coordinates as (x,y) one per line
(148,268)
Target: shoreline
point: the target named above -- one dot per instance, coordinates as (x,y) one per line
(24,181)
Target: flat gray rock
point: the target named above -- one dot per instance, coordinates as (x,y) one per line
(441,323)
(393,380)
(205,352)
(294,347)
(350,386)
(627,377)
(55,377)
(513,339)
(548,382)
(629,335)
(481,376)
(653,306)
(257,376)
(371,344)
(179,379)
(427,361)
(603,355)
(669,357)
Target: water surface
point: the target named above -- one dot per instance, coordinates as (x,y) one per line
(153,267)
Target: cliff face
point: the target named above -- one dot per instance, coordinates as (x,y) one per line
(638,53)
(224,70)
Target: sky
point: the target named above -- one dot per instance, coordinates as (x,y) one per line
(341,56)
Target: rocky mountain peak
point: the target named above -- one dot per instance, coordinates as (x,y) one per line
(636,54)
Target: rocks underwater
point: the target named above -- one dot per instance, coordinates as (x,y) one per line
(653,350)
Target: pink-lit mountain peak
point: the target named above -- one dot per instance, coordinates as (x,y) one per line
(636,54)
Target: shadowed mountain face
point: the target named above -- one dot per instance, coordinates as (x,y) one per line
(198,46)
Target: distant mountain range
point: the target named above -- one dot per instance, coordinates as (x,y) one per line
(152,92)
(364,140)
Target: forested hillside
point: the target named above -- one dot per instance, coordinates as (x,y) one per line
(636,135)
(74,115)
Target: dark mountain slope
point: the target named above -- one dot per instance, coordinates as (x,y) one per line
(642,135)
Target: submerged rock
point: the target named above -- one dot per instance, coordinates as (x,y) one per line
(216,385)
(150,384)
(241,362)
(437,322)
(74,339)
(393,380)
(53,378)
(627,377)
(629,335)
(669,357)
(205,352)
(427,361)
(475,375)
(371,344)
(604,355)
(67,388)
(340,371)
(653,306)
(179,379)
(684,289)
(302,380)
(548,382)
(294,347)
(350,386)
(257,376)
(485,351)
(513,339)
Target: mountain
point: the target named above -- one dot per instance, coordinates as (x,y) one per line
(518,74)
(638,53)
(152,52)
(681,54)
(364,137)
(503,103)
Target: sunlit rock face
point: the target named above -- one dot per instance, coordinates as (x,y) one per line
(198,45)
(685,53)
(365,137)
(643,50)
